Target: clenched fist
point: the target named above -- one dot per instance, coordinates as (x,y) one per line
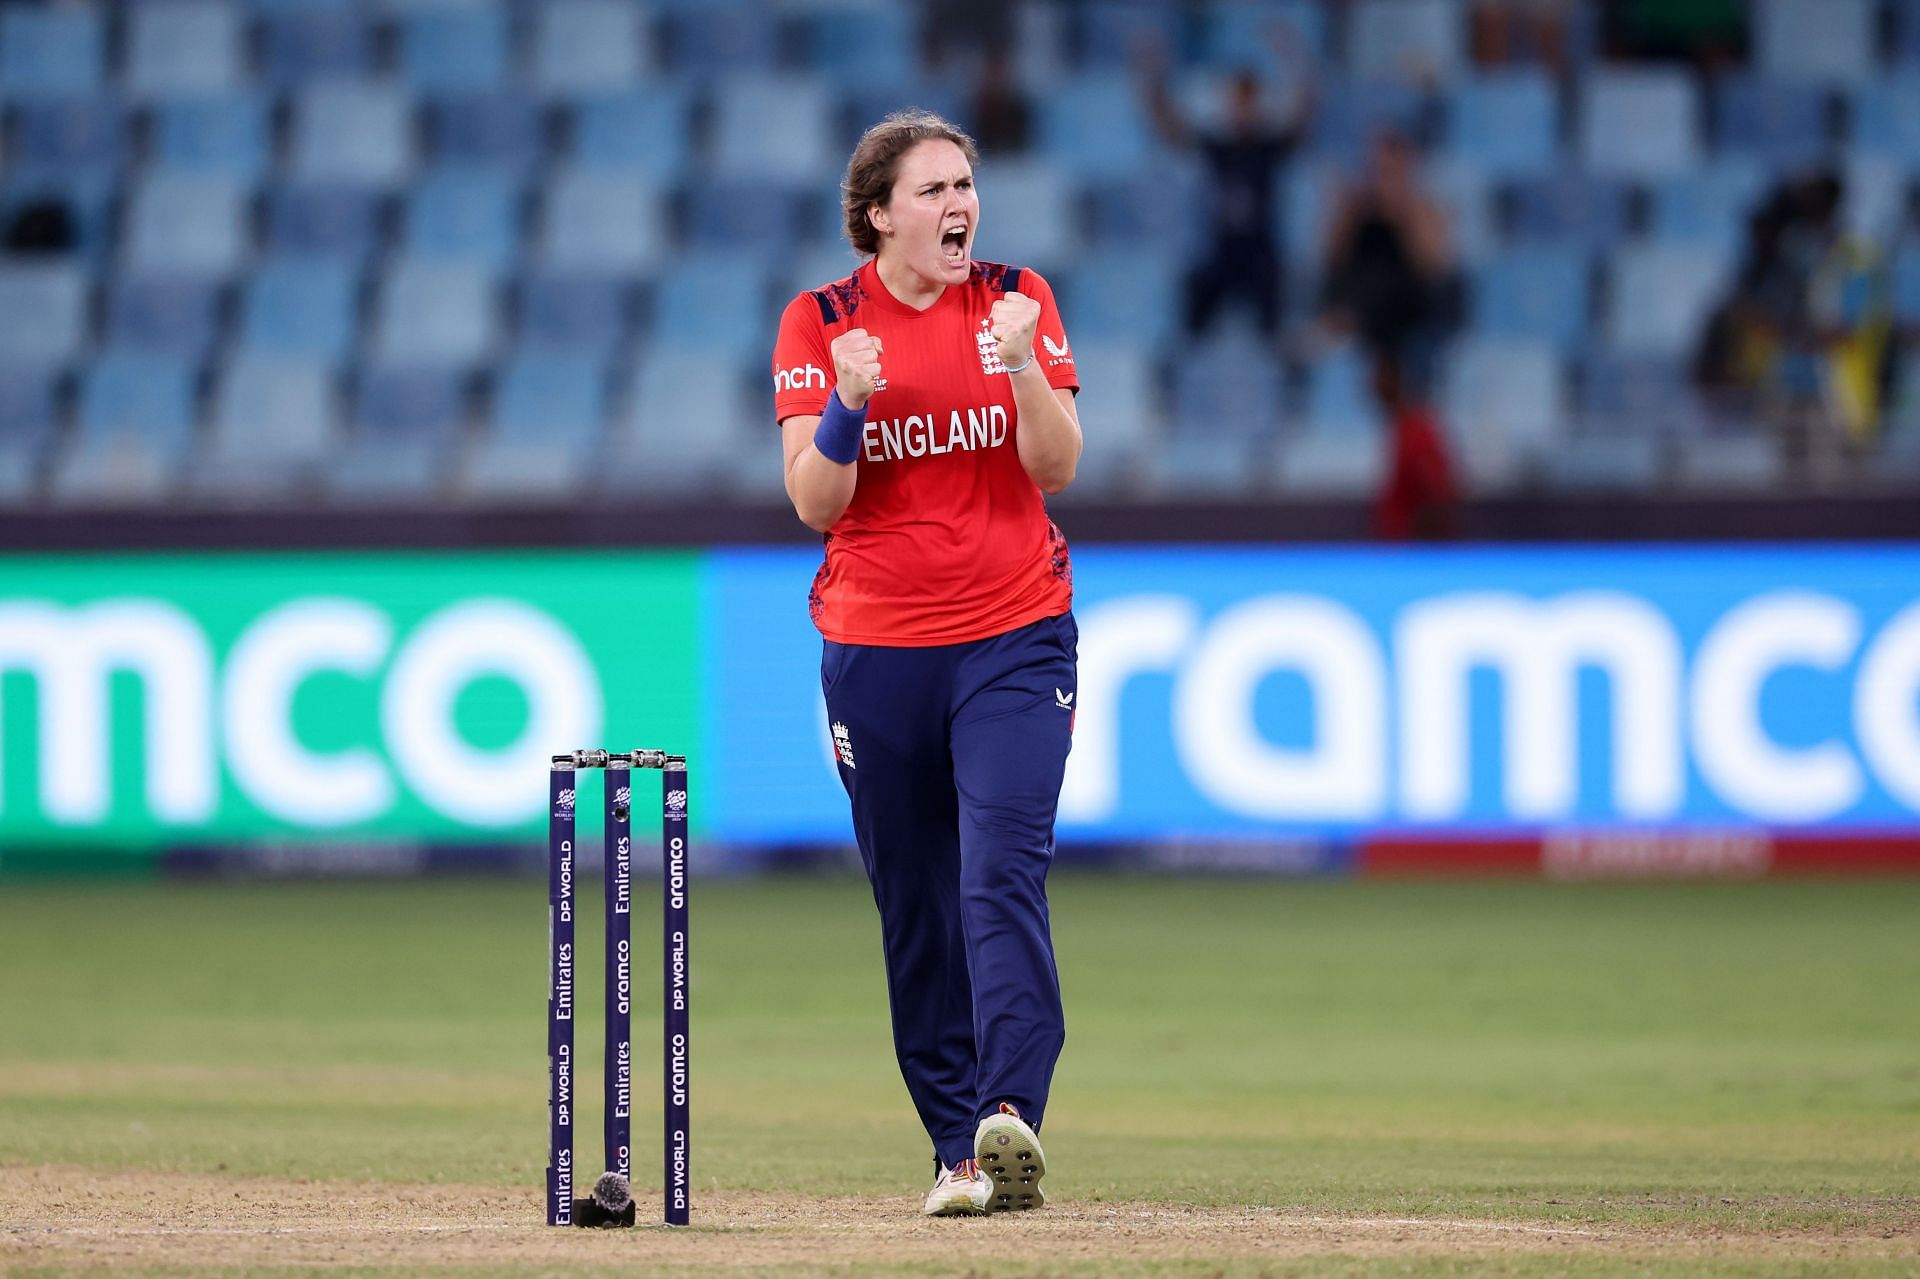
(856,362)
(1014,318)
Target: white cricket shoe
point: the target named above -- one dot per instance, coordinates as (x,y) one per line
(1009,1153)
(961,1191)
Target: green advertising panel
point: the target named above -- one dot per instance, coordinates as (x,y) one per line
(146,699)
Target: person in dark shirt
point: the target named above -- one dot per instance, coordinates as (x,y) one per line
(1240,260)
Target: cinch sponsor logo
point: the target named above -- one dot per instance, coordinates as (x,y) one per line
(202,718)
(1675,730)
(801,377)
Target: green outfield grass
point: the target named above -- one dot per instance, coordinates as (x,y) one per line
(1741,1057)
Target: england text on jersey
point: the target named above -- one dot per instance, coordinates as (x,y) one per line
(923,435)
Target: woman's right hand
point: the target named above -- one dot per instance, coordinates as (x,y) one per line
(856,363)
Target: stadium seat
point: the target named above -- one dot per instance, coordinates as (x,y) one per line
(1825,40)
(144,395)
(1156,209)
(170,313)
(1886,116)
(223,135)
(1340,400)
(1906,285)
(602,222)
(819,264)
(1540,292)
(1391,39)
(715,303)
(1709,207)
(1307,193)
(1503,404)
(183,48)
(1127,296)
(1569,208)
(559,400)
(1109,38)
(773,128)
(274,423)
(1784,122)
(652,449)
(1661,296)
(454,48)
(1641,394)
(1351,114)
(718,40)
(644,133)
(322,43)
(323,220)
(54,51)
(404,423)
(1094,127)
(1229,387)
(499,130)
(1325,465)
(275,8)
(1507,124)
(1198,468)
(436,313)
(1465,194)
(1906,32)
(306,307)
(43,312)
(1235,34)
(1605,463)
(187,224)
(1640,124)
(1035,224)
(732,212)
(848,39)
(1728,464)
(352,133)
(72,136)
(587,46)
(28,419)
(1119,408)
(86,196)
(464,215)
(583,313)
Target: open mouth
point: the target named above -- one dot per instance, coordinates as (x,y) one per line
(953,244)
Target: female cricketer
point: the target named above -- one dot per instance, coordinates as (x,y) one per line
(925,404)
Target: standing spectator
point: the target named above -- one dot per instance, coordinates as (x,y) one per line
(1420,500)
(1240,260)
(1389,263)
(1001,117)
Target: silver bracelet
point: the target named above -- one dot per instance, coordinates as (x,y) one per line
(1023,364)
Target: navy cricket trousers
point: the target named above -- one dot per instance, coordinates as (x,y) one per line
(952,757)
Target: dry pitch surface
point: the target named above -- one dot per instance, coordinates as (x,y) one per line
(70,1220)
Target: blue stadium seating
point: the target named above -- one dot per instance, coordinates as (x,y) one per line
(1332,465)
(643,132)
(1227,387)
(1605,463)
(50,52)
(86,136)
(587,46)
(179,222)
(395,401)
(603,222)
(320,43)
(28,413)
(468,215)
(43,313)
(1339,396)
(1234,35)
(174,314)
(1508,124)
(1661,296)
(1569,208)
(870,42)
(1130,296)
(274,423)
(1886,117)
(138,394)
(1096,127)
(1504,403)
(714,40)
(715,303)
(302,307)
(1783,121)
(1542,292)
(352,133)
(556,400)
(774,128)
(1906,285)
(454,49)
(651,451)
(1709,207)
(1352,113)
(1119,408)
(436,313)
(499,130)
(1387,39)
(1823,40)
(324,220)
(88,198)
(581,313)
(222,135)
(1026,215)
(1110,36)
(1642,123)
(183,48)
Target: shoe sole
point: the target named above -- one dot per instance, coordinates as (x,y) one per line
(1010,1154)
(957,1208)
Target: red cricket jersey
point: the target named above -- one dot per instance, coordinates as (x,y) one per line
(947,538)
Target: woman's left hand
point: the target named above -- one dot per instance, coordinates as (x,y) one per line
(1014,318)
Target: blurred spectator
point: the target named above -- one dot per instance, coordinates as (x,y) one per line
(1240,254)
(1709,34)
(999,114)
(1507,33)
(1390,274)
(1419,501)
(964,31)
(1802,338)
(42,225)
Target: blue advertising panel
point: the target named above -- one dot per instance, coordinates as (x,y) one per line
(1237,692)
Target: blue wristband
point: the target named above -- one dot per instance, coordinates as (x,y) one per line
(838,435)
